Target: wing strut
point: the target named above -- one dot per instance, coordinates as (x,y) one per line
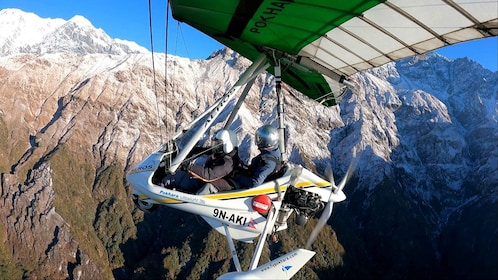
(262,238)
(258,67)
(232,249)
(239,103)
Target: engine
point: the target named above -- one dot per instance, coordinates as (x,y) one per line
(305,203)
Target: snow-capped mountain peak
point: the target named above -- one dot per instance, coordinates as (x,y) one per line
(18,29)
(81,21)
(22,32)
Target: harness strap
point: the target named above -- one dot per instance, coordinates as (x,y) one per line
(279,163)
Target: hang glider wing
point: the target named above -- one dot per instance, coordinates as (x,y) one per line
(320,42)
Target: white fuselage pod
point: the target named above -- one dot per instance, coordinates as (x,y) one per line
(231,208)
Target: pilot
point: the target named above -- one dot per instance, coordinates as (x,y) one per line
(267,163)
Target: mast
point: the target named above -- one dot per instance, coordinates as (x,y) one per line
(280,111)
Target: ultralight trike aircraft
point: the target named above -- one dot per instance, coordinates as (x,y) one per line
(241,214)
(313,46)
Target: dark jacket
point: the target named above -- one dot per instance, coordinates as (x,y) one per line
(216,168)
(263,165)
(182,180)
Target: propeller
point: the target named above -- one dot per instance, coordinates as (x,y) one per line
(336,195)
(295,173)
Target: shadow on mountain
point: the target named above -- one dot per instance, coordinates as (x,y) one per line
(389,233)
(162,248)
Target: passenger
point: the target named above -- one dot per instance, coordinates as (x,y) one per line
(219,166)
(209,177)
(267,163)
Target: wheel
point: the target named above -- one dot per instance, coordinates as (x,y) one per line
(145,206)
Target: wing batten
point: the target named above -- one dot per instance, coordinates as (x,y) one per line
(410,29)
(417,22)
(366,43)
(477,23)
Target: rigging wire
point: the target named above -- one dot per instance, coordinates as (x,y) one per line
(166,27)
(154,72)
(183,39)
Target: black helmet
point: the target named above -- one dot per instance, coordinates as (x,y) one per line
(224,141)
(266,137)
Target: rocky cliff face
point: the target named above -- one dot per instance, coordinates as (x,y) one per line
(422,202)
(37,236)
(425,171)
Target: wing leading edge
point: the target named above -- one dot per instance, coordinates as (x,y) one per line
(319,42)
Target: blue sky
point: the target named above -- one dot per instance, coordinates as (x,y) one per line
(129,20)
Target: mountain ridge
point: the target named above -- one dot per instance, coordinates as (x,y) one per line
(27,33)
(425,128)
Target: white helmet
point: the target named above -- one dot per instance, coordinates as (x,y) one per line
(267,137)
(224,141)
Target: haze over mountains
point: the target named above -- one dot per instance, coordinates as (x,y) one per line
(79,109)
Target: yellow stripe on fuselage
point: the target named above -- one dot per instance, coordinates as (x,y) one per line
(241,194)
(254,192)
(163,200)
